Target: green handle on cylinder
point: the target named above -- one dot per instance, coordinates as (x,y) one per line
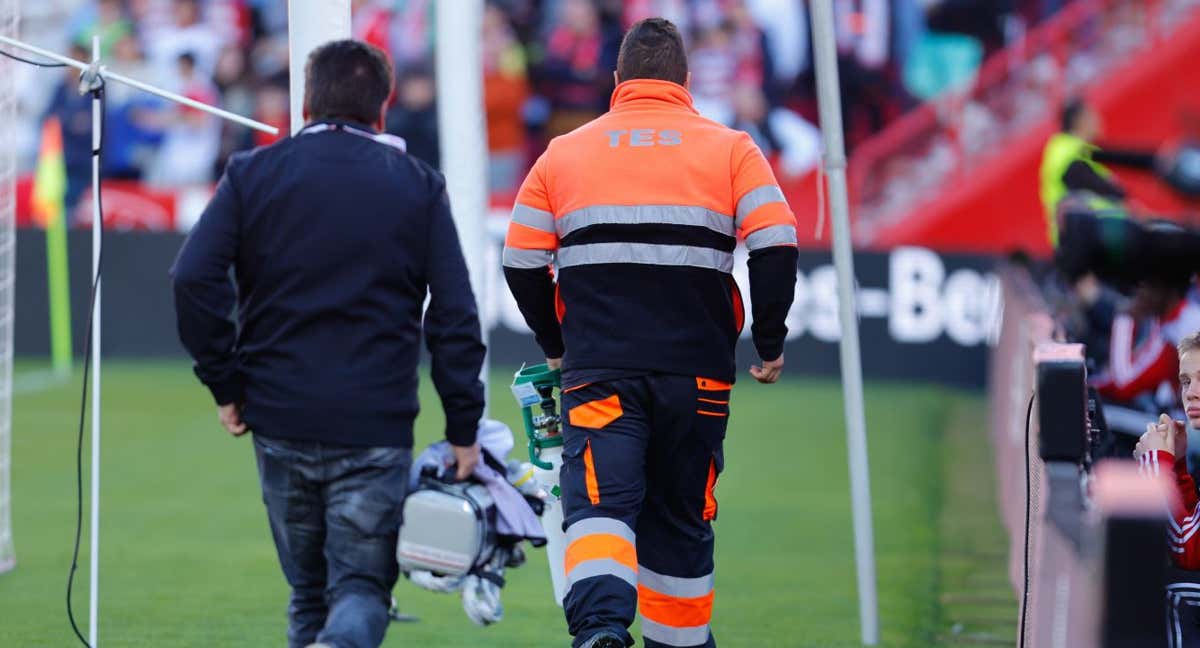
(534,387)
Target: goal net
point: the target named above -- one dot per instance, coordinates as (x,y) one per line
(8,244)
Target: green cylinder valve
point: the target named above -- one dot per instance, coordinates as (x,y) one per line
(534,388)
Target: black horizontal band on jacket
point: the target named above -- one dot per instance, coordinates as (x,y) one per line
(652,233)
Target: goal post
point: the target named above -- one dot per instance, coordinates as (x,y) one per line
(9,17)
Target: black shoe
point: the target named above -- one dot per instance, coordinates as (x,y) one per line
(604,640)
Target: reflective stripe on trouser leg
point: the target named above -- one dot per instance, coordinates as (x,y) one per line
(601,547)
(600,562)
(675,611)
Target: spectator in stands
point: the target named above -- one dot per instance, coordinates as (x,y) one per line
(74,114)
(414,115)
(753,63)
(372,20)
(784,24)
(1073,167)
(412,33)
(134,123)
(713,65)
(193,139)
(576,73)
(783,136)
(981,19)
(570,47)
(863,35)
(188,34)
(505,90)
(272,105)
(676,11)
(108,20)
(238,95)
(1142,348)
(1161,451)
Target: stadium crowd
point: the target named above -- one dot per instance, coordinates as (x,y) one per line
(547,64)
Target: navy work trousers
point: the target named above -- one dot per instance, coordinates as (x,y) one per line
(640,462)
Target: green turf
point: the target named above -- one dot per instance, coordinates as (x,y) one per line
(187,559)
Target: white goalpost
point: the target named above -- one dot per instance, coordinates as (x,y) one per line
(9,17)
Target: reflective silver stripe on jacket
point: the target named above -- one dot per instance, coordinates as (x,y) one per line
(535,218)
(756,198)
(772,235)
(644,214)
(646,254)
(523,259)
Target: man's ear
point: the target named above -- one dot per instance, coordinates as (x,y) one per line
(687,82)
(616,78)
(381,123)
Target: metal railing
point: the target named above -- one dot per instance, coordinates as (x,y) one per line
(1014,93)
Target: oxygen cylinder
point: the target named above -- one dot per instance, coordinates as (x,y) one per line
(534,388)
(552,521)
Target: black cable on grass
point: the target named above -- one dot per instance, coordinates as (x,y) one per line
(1028,495)
(87,363)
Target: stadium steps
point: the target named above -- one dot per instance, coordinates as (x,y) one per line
(960,173)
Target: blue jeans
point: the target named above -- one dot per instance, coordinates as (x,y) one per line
(335,515)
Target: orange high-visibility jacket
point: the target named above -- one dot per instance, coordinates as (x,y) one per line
(640,210)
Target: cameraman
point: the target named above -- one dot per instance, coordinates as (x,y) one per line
(1073,167)
(335,237)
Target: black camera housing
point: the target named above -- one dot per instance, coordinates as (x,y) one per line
(1063,410)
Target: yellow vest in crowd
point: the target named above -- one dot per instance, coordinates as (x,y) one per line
(1061,151)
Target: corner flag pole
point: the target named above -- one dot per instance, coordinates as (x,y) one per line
(829,100)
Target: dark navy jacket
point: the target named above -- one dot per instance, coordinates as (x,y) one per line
(335,237)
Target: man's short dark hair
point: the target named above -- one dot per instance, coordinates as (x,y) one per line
(653,49)
(348,80)
(1071,113)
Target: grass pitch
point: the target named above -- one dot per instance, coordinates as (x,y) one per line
(187,559)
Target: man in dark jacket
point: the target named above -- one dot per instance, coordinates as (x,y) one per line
(334,237)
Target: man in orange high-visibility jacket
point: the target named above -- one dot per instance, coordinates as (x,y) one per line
(640,211)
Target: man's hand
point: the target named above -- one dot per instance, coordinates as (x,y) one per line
(1177,431)
(467,457)
(1160,436)
(769,371)
(554,363)
(231,417)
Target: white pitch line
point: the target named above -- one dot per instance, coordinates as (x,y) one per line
(31,382)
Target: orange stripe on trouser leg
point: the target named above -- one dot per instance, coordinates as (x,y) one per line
(598,546)
(597,413)
(675,611)
(527,238)
(589,464)
(710,500)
